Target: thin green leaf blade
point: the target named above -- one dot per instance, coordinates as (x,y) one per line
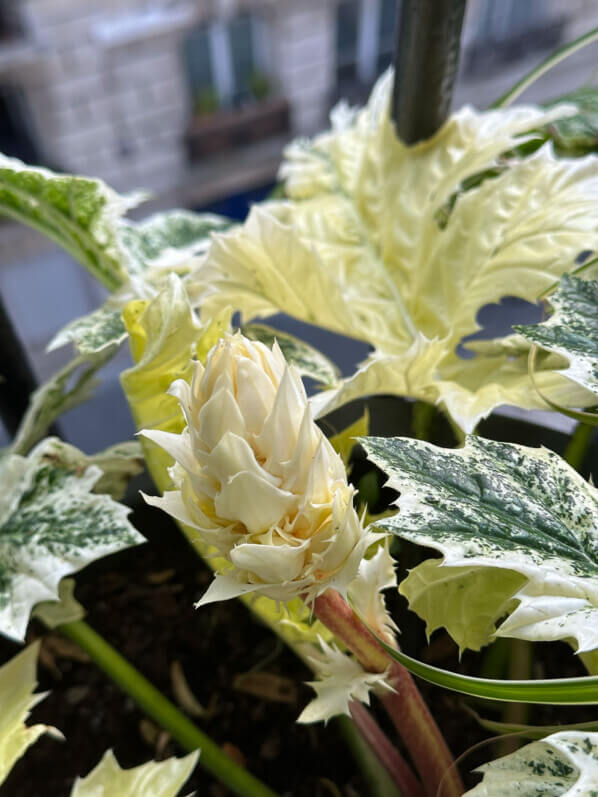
(556,691)
(507,507)
(51,524)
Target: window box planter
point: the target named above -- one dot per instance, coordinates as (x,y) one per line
(231,128)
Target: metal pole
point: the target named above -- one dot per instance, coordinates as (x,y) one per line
(426,59)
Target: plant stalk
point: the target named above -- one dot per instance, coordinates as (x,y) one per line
(165,713)
(404,705)
(385,751)
(426,59)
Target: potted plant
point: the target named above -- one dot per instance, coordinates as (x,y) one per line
(395,229)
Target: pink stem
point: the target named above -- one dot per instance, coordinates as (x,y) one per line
(387,753)
(405,705)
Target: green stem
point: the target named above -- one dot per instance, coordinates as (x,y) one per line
(578,445)
(541,69)
(404,704)
(423,416)
(520,668)
(167,715)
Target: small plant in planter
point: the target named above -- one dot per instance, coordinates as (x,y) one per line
(391,244)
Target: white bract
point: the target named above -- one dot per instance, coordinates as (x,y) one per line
(258,480)
(341,679)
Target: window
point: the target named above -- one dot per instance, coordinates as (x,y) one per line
(227,63)
(365,36)
(508,29)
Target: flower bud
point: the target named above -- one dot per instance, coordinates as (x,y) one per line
(258,480)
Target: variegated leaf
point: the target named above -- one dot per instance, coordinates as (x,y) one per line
(154,779)
(306,359)
(572,330)
(92,333)
(564,764)
(51,524)
(118,463)
(79,213)
(166,241)
(577,134)
(360,249)
(522,512)
(17,682)
(68,388)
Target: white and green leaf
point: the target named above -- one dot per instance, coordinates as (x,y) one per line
(564,764)
(571,330)
(79,213)
(87,218)
(17,682)
(69,387)
(167,241)
(92,333)
(522,512)
(359,249)
(51,524)
(306,359)
(154,779)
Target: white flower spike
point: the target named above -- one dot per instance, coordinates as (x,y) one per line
(258,480)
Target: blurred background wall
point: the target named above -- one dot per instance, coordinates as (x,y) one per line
(195,99)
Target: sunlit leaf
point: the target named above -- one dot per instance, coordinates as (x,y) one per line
(51,524)
(521,511)
(17,682)
(565,763)
(359,249)
(154,779)
(308,360)
(571,330)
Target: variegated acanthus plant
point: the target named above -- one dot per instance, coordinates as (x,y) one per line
(399,247)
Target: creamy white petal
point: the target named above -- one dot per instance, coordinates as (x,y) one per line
(220,414)
(253,501)
(272,564)
(223,588)
(232,455)
(279,435)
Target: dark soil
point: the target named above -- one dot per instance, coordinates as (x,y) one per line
(141,601)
